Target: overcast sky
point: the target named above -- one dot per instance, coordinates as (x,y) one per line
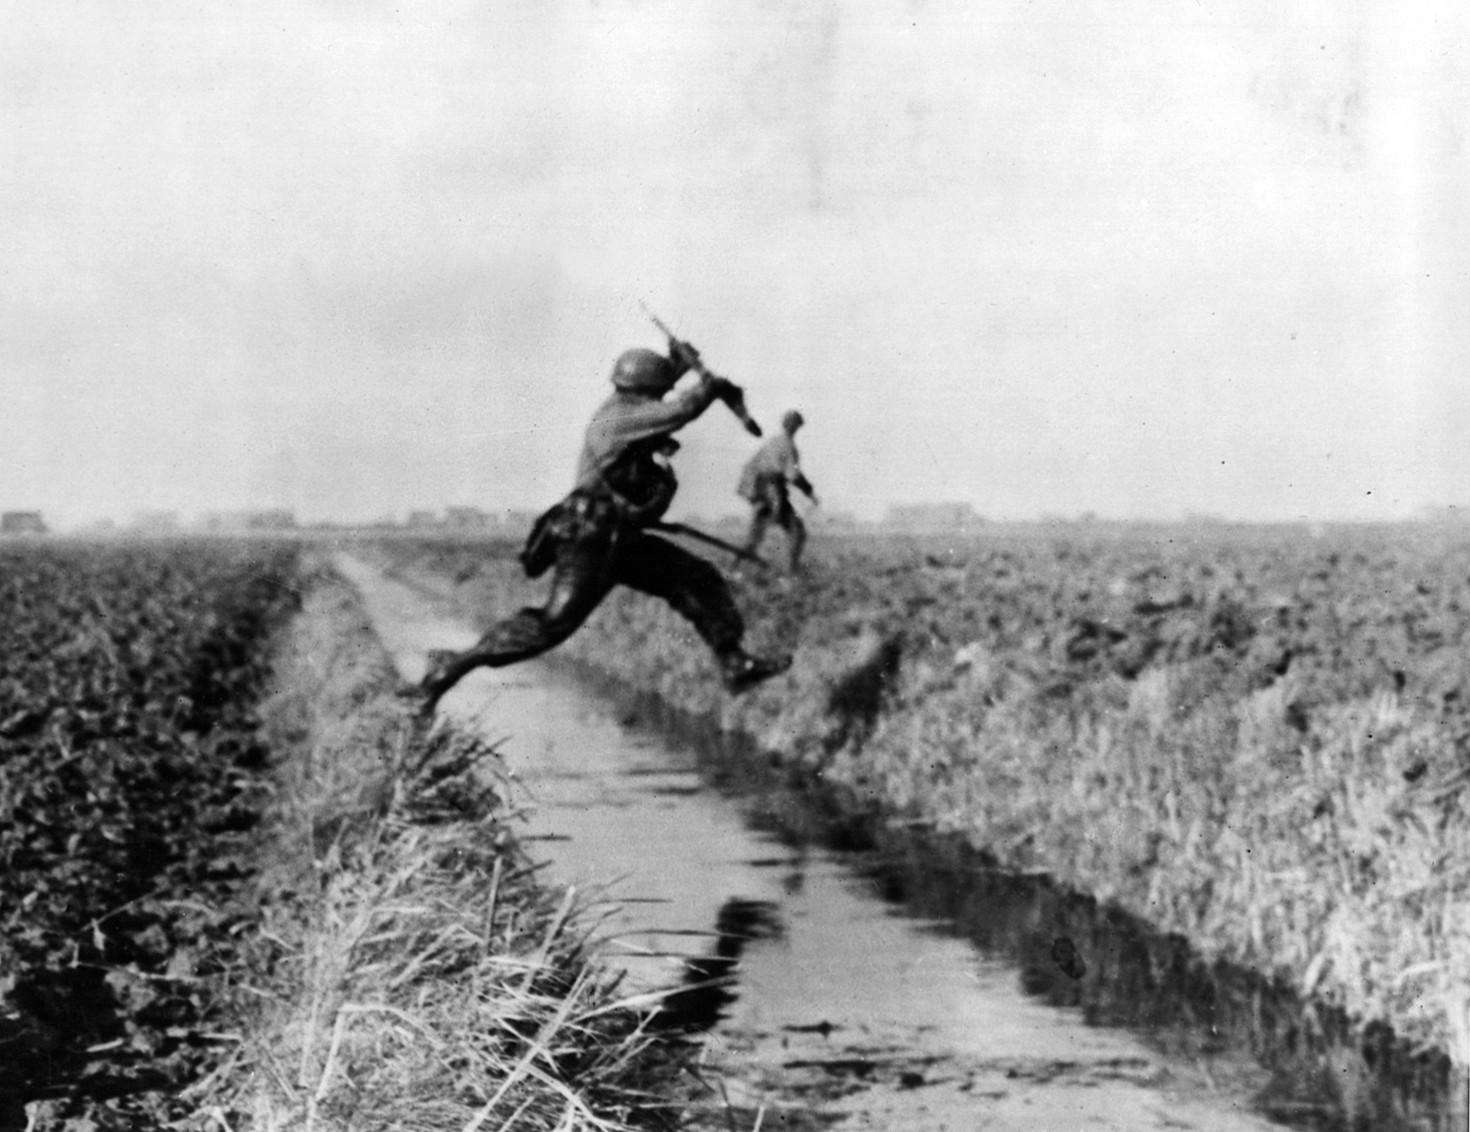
(1134,257)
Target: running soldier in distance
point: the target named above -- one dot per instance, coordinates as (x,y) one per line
(595,538)
(766,482)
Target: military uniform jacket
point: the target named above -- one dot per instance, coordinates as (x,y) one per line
(622,477)
(775,462)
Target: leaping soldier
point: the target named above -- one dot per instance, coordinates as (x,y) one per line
(597,537)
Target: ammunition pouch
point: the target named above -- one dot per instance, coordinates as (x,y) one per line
(644,489)
(584,514)
(641,486)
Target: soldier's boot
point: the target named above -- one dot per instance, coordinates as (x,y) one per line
(439,677)
(411,692)
(741,671)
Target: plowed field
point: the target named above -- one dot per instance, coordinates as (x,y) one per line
(130,779)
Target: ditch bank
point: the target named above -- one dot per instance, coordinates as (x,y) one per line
(1321,1067)
(410,968)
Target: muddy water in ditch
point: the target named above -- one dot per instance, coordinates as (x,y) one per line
(872,979)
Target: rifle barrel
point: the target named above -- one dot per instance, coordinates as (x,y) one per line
(735,404)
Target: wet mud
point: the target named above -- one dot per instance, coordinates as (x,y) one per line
(845,973)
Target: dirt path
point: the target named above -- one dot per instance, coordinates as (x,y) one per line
(846,1013)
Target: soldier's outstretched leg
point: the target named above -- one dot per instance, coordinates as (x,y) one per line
(796,542)
(758,522)
(697,591)
(581,580)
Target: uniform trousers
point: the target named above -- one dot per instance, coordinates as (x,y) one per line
(585,570)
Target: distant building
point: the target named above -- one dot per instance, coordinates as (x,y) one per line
(226,522)
(512,522)
(468,518)
(156,522)
(22,523)
(932,518)
(518,521)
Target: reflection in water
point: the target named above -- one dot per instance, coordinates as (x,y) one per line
(1316,1070)
(709,981)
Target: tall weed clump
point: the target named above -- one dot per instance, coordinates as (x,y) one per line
(411,972)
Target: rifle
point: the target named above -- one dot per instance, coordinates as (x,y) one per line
(691,532)
(730,393)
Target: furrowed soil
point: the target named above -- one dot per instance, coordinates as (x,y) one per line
(242,886)
(1253,739)
(130,779)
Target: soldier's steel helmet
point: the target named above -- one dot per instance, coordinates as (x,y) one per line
(792,420)
(643,371)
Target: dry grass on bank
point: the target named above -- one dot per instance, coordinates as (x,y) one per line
(412,974)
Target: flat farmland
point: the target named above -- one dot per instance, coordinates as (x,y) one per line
(1256,737)
(130,779)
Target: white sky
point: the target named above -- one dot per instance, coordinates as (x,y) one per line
(1136,257)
